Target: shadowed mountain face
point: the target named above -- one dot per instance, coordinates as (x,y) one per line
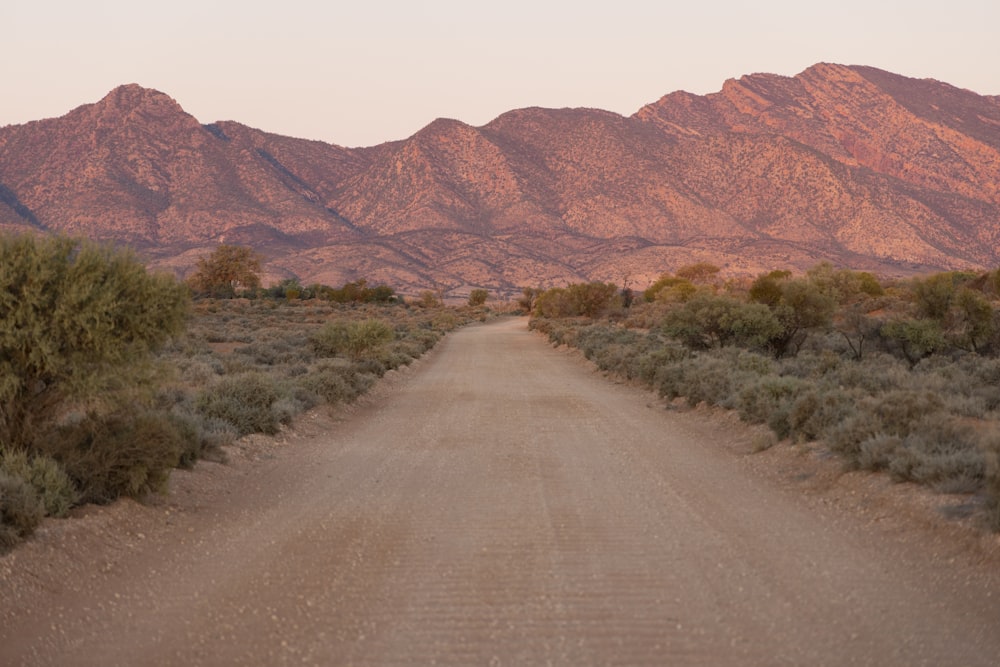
(854,165)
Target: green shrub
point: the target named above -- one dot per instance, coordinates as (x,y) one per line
(357,339)
(243,400)
(77,323)
(49,480)
(331,339)
(20,510)
(108,456)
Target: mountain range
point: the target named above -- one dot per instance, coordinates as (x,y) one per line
(848,164)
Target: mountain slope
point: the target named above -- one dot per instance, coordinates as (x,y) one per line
(853,165)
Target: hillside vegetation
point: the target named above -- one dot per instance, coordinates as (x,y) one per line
(896,376)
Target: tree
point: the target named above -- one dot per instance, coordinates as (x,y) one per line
(915,338)
(670,288)
(799,304)
(76,320)
(844,285)
(766,289)
(478,297)
(710,320)
(972,320)
(229,268)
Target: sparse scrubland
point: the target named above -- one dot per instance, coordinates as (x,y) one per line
(110,377)
(899,376)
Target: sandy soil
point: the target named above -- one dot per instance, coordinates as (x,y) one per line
(503,504)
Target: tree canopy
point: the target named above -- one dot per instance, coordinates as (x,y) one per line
(227,270)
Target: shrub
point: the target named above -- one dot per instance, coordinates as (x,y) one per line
(700,379)
(336,382)
(877,373)
(895,413)
(20,510)
(52,485)
(356,339)
(366,336)
(201,437)
(647,365)
(878,451)
(243,400)
(429,299)
(941,452)
(768,400)
(108,456)
(331,339)
(818,409)
(77,320)
(578,300)
(478,297)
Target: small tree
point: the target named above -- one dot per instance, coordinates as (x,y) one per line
(477,297)
(229,268)
(915,338)
(670,289)
(711,320)
(76,319)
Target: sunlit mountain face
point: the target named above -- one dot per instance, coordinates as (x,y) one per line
(852,165)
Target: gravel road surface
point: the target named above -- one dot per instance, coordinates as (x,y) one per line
(501,504)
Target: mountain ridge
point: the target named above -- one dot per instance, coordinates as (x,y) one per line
(848,164)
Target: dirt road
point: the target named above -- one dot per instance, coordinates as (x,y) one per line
(502,505)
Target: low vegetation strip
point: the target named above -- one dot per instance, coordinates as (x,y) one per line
(901,377)
(110,377)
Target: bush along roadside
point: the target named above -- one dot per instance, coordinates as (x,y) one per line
(79,326)
(218,370)
(901,378)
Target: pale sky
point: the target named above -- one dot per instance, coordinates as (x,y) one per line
(369,71)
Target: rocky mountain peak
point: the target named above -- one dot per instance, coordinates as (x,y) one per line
(848,164)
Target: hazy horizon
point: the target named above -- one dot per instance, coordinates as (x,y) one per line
(360,76)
